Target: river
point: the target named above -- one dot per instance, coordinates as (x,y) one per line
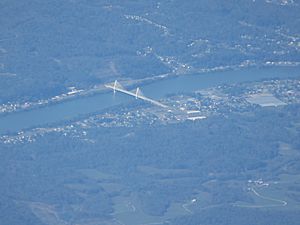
(67,110)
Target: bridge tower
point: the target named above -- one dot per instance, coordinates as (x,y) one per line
(115,84)
(137,92)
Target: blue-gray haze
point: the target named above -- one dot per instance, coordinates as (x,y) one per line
(225,150)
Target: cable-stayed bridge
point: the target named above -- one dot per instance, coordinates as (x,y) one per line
(116,86)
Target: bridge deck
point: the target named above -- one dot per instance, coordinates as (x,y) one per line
(134,95)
